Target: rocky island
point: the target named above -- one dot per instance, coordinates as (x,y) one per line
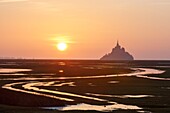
(118,53)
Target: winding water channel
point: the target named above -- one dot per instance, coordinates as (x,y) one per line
(31,84)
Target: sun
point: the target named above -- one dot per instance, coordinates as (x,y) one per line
(62,46)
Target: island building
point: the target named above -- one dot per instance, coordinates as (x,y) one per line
(118,53)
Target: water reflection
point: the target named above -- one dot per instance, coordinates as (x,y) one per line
(120,96)
(61,63)
(137,73)
(9,87)
(31,86)
(61,71)
(103,108)
(6,70)
(91,84)
(72,84)
(36,91)
(97,67)
(113,82)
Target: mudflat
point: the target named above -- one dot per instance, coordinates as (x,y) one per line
(49,86)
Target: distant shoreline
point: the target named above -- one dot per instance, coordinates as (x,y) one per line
(46,59)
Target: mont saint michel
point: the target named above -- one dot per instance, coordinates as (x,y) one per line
(118,53)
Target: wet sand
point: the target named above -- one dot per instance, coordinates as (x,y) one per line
(86,89)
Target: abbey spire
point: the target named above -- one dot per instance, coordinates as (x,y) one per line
(117,45)
(117,42)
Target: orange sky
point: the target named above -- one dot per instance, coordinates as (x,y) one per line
(31,28)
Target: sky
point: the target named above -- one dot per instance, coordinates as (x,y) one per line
(32,28)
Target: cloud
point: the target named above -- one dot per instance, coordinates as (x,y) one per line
(8,1)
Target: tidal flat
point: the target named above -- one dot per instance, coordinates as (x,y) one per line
(90,86)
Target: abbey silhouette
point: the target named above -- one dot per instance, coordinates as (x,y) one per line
(118,53)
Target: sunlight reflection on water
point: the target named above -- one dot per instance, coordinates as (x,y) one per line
(121,96)
(113,82)
(61,63)
(5,70)
(61,71)
(139,74)
(9,87)
(104,108)
(32,88)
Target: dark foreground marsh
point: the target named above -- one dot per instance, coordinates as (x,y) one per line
(54,86)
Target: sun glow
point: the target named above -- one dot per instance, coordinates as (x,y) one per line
(62,46)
